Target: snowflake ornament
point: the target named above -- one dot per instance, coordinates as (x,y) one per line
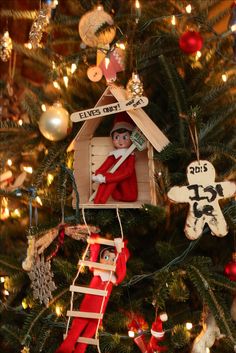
(42,280)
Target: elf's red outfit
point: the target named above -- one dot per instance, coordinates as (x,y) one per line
(122,184)
(86,327)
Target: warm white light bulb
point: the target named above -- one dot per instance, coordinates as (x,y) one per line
(66,80)
(38,200)
(50,178)
(198,54)
(121,45)
(16,213)
(107,62)
(173,20)
(28,45)
(188,8)
(58,310)
(9,162)
(224,77)
(2,279)
(208,350)
(20,122)
(43,107)
(137,4)
(131,334)
(5,292)
(233,28)
(189,325)
(73,68)
(56,85)
(28,169)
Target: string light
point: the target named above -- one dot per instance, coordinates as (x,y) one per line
(107,62)
(188,8)
(121,45)
(9,162)
(28,46)
(208,350)
(173,20)
(198,55)
(50,178)
(16,213)
(38,200)
(56,85)
(138,10)
(28,170)
(66,80)
(20,122)
(24,303)
(2,279)
(189,325)
(58,310)
(43,107)
(5,292)
(73,68)
(131,334)
(224,77)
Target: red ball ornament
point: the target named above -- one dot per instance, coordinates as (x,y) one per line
(230,268)
(190,42)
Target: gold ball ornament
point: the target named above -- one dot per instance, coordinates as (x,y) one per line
(91,27)
(134,86)
(55,123)
(5,47)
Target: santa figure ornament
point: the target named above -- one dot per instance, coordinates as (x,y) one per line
(155,343)
(203,194)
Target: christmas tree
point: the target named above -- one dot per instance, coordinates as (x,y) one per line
(177,235)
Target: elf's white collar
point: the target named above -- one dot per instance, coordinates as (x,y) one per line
(118,152)
(105,275)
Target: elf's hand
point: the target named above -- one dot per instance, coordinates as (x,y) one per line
(119,244)
(99,178)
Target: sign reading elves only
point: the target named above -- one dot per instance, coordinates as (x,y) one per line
(203,194)
(109,109)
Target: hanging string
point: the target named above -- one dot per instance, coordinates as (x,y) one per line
(193,132)
(84,219)
(121,228)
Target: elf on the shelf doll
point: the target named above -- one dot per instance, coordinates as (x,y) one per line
(104,280)
(122,184)
(153,346)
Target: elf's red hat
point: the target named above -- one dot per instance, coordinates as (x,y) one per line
(122,121)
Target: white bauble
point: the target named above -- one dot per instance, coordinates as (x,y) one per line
(55,123)
(91,22)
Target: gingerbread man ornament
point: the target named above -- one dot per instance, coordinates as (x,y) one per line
(203,195)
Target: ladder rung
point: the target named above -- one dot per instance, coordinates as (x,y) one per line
(86,290)
(84,314)
(88,340)
(97,265)
(101,241)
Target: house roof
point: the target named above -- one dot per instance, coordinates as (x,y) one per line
(150,130)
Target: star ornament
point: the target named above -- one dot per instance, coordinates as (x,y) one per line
(203,194)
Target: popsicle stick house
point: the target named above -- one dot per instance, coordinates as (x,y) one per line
(90,152)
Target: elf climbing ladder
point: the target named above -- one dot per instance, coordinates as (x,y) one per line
(109,270)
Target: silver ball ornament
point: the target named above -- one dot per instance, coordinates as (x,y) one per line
(134,86)
(55,123)
(89,26)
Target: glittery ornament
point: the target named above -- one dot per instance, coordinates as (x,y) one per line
(42,280)
(5,47)
(96,28)
(55,123)
(134,87)
(40,23)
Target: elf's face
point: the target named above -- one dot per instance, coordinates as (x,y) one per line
(121,140)
(107,257)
